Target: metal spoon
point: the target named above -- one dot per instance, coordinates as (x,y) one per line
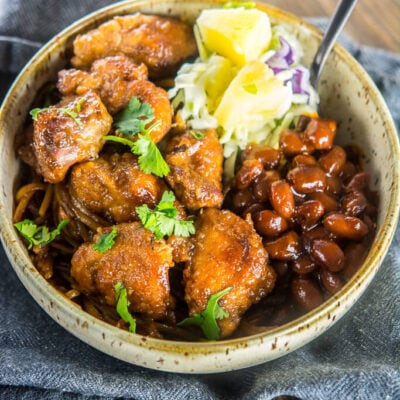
(340,17)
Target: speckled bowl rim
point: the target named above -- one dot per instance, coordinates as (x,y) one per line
(189,357)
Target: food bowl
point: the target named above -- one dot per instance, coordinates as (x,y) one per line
(348,96)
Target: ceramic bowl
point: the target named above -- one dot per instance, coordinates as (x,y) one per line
(348,96)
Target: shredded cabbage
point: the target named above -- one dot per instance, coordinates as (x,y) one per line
(199,87)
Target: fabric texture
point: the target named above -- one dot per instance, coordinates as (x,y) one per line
(358,358)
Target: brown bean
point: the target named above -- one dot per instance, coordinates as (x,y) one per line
(303,265)
(248,172)
(291,144)
(303,159)
(328,202)
(285,248)
(281,268)
(328,254)
(318,232)
(242,199)
(320,133)
(333,185)
(306,292)
(307,179)
(348,171)
(269,223)
(345,226)
(267,155)
(253,209)
(358,181)
(354,203)
(354,256)
(281,198)
(331,281)
(262,184)
(333,161)
(308,213)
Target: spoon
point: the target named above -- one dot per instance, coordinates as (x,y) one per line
(336,24)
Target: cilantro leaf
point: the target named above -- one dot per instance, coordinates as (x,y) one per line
(162,221)
(123,304)
(134,118)
(67,111)
(106,241)
(37,235)
(207,319)
(198,135)
(150,159)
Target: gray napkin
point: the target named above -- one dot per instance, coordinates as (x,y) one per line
(359,358)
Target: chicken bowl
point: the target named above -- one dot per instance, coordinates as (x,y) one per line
(176,194)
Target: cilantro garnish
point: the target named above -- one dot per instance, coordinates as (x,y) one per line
(198,135)
(37,235)
(132,121)
(134,118)
(240,4)
(162,221)
(106,241)
(123,304)
(207,319)
(67,111)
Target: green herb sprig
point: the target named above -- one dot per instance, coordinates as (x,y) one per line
(106,241)
(121,296)
(133,121)
(38,235)
(207,319)
(162,221)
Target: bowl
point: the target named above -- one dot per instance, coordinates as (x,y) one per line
(348,96)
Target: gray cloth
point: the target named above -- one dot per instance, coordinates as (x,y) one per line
(359,358)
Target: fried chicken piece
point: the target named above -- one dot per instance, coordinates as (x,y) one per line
(69,132)
(161,43)
(227,252)
(116,80)
(196,169)
(112,78)
(138,260)
(114,186)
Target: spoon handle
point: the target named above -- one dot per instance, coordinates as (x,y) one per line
(341,15)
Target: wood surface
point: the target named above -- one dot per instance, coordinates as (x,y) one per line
(373,22)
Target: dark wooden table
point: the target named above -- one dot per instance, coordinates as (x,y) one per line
(373,22)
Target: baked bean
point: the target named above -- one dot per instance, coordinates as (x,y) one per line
(241,199)
(248,172)
(328,202)
(318,232)
(285,248)
(303,265)
(345,226)
(281,198)
(307,179)
(269,223)
(331,281)
(308,213)
(348,171)
(253,209)
(333,161)
(267,155)
(320,133)
(333,185)
(262,184)
(354,203)
(328,254)
(281,268)
(303,159)
(291,144)
(354,255)
(306,293)
(358,181)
